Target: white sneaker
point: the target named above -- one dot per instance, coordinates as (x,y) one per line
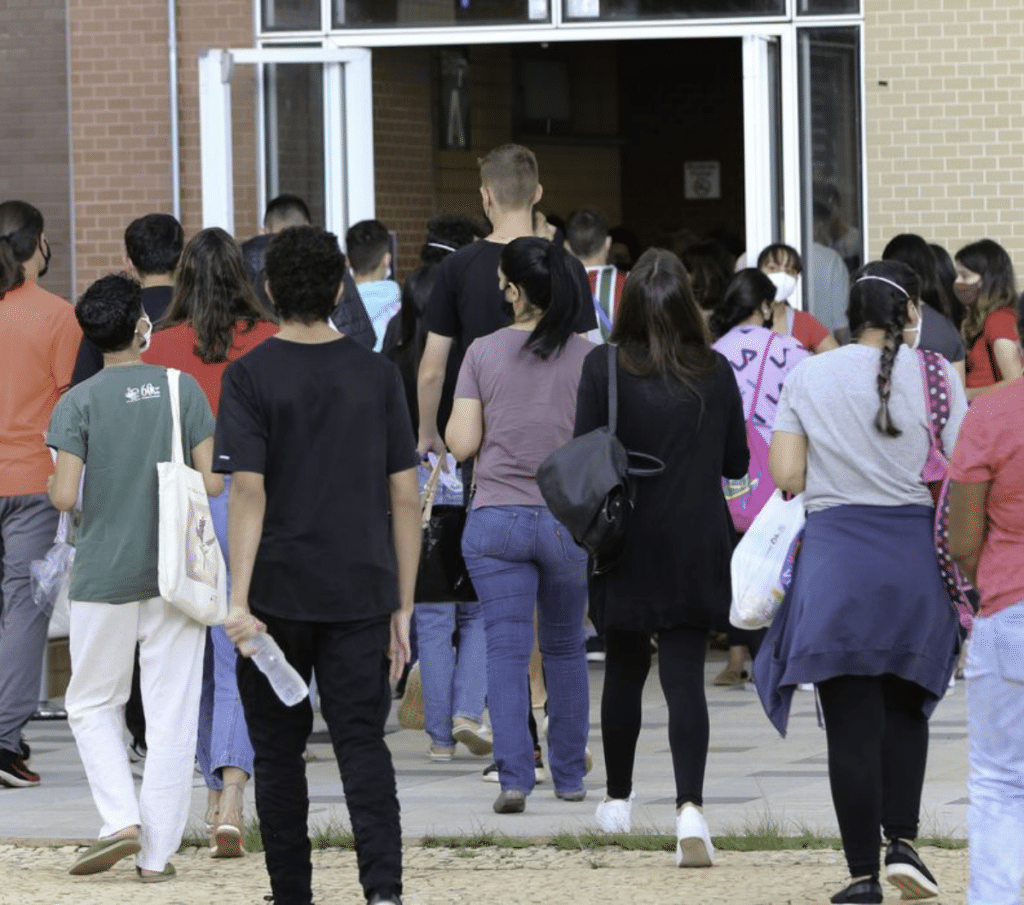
(613,814)
(693,848)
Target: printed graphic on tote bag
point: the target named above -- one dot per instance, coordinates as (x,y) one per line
(201,560)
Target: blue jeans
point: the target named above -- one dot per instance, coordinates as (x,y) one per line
(223,739)
(454,680)
(519,557)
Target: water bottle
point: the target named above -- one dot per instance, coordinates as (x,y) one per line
(283,677)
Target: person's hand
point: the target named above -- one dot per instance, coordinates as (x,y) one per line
(241,626)
(432,444)
(399,650)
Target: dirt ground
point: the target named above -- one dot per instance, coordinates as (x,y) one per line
(33,875)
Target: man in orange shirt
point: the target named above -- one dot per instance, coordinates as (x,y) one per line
(39,339)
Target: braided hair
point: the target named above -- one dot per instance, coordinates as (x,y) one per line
(878,298)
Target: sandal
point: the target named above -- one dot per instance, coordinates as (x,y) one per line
(227,835)
(104,854)
(166,874)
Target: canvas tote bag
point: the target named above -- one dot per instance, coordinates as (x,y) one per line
(191,569)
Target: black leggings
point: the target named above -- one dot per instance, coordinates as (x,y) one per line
(681,669)
(877,750)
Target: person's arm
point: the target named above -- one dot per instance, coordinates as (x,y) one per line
(968,524)
(787,461)
(465,429)
(961,369)
(591,407)
(202,461)
(1008,363)
(247,503)
(826,345)
(736,458)
(406,534)
(63,485)
(429,384)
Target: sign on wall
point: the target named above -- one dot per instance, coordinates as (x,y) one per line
(702,179)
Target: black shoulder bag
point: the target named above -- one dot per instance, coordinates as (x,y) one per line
(587,485)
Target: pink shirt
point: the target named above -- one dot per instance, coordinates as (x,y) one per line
(991,448)
(529,409)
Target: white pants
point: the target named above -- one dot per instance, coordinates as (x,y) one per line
(995,722)
(171,646)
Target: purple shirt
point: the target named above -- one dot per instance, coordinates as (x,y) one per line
(529,407)
(744,348)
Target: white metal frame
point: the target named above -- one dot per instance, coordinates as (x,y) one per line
(348,130)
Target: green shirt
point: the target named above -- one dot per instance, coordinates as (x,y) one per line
(119,423)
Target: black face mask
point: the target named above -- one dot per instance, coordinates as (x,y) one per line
(46,259)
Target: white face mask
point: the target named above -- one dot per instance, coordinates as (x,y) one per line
(785,284)
(915,330)
(147,335)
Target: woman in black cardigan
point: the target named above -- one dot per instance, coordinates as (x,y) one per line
(678,400)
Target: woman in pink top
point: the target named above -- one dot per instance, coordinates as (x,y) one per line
(515,402)
(213,319)
(987,539)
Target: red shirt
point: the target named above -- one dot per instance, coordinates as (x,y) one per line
(808,330)
(175,348)
(990,447)
(1000,324)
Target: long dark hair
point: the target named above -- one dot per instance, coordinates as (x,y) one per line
(21,226)
(658,326)
(747,291)
(998,289)
(541,270)
(878,298)
(213,291)
(913,251)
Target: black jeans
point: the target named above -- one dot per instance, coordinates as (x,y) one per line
(351,666)
(681,669)
(877,750)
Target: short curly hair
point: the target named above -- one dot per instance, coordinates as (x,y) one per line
(304,268)
(108,311)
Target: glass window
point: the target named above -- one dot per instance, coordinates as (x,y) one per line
(831,168)
(291,15)
(582,10)
(412,13)
(827,7)
(294,97)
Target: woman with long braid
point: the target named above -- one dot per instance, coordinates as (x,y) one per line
(867,618)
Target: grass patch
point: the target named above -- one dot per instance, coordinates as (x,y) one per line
(333,835)
(477,840)
(196,837)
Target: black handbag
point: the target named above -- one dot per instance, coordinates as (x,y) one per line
(587,485)
(442,575)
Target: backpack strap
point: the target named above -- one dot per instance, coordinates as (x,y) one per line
(760,375)
(613,388)
(936,394)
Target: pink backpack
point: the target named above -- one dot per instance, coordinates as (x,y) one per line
(746,496)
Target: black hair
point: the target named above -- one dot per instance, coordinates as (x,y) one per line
(710,267)
(878,298)
(747,291)
(541,270)
(284,211)
(447,233)
(153,243)
(21,227)
(945,272)
(366,243)
(109,310)
(214,292)
(780,254)
(998,288)
(913,251)
(659,328)
(586,232)
(304,267)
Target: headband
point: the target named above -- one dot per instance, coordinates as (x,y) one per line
(871,276)
(442,246)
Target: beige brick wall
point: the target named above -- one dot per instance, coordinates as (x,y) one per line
(945,147)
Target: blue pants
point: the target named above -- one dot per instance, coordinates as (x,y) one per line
(520,557)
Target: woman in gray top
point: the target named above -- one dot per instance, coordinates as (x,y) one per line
(867,618)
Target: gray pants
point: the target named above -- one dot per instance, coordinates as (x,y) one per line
(27,526)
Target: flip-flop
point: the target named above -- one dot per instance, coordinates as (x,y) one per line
(166,874)
(104,855)
(227,842)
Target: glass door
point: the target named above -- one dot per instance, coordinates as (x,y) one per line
(762,142)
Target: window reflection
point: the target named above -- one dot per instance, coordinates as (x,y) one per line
(291,15)
(411,13)
(670,9)
(827,7)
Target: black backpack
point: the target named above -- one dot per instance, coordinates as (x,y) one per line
(587,486)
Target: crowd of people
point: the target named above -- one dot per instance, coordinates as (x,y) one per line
(314,388)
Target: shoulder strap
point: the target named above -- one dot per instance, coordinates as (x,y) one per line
(936,394)
(760,375)
(613,388)
(173,375)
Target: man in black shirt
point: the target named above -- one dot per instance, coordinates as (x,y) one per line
(324,539)
(466,302)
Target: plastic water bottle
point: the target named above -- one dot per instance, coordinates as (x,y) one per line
(283,677)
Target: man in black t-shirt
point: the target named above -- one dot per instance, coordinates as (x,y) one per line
(466,302)
(324,539)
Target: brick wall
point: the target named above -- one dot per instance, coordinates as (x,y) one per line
(34,158)
(945,151)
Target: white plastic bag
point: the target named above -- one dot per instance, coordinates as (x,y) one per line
(762,564)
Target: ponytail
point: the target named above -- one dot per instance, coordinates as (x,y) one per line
(21,227)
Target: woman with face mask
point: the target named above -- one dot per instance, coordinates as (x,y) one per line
(985,286)
(742,326)
(782,265)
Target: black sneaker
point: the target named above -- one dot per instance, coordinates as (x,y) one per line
(14,772)
(595,649)
(906,871)
(25,750)
(540,773)
(864,891)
